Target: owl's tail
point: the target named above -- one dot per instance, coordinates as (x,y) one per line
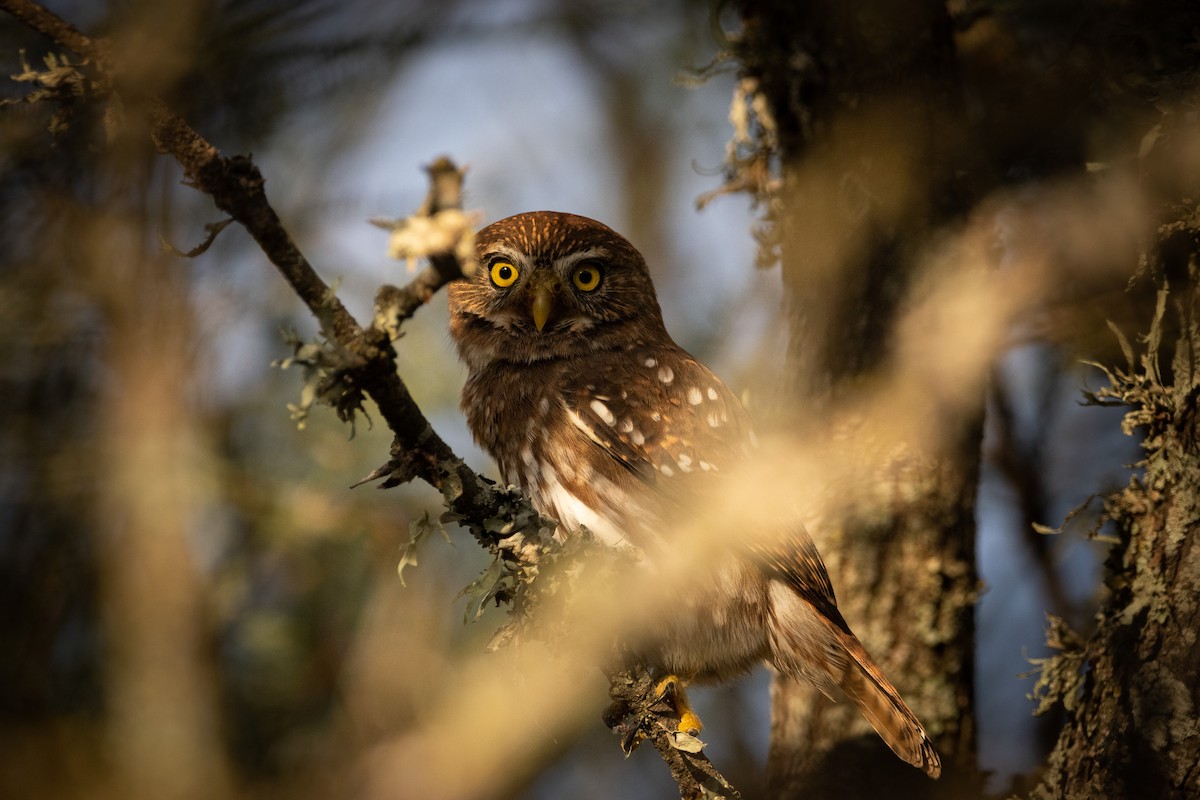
(809,639)
(864,683)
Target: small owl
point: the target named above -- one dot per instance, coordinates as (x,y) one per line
(585,402)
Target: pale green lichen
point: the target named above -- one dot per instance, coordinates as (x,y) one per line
(326,367)
(448,231)
(62,82)
(1060,676)
(418,532)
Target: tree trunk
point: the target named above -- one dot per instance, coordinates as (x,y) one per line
(1130,691)
(907,587)
(858,102)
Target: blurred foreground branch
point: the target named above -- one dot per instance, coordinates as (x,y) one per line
(356,361)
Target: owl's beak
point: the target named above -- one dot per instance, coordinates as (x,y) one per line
(543,301)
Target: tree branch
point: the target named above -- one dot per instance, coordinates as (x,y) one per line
(441,233)
(637,713)
(55,27)
(502,520)
(237,188)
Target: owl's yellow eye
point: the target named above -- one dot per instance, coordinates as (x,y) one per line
(586,277)
(503,274)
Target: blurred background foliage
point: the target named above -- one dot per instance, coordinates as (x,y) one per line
(179,566)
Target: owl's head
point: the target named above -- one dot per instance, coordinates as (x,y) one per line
(552,285)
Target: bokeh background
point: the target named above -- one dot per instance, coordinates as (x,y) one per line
(193,601)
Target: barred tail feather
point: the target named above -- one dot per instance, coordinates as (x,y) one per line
(865,684)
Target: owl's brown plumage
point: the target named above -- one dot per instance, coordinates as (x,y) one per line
(579,393)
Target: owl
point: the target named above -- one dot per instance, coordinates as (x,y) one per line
(578,392)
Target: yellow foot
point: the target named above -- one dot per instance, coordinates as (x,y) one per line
(671,689)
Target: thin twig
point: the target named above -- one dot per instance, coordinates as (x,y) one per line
(237,188)
(55,27)
(439,218)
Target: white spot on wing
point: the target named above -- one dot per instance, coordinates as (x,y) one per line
(637,438)
(541,476)
(626,425)
(665,470)
(666,375)
(544,405)
(694,396)
(567,465)
(650,362)
(712,393)
(603,412)
(583,426)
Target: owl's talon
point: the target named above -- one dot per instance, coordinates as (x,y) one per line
(670,689)
(690,724)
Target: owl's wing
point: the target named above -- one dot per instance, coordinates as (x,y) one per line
(672,423)
(662,416)
(795,561)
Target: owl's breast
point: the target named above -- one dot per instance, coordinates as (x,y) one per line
(517,414)
(618,444)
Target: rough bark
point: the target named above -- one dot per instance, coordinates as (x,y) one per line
(906,583)
(859,108)
(1130,691)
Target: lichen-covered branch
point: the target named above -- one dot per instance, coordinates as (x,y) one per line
(636,714)
(441,233)
(55,27)
(237,188)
